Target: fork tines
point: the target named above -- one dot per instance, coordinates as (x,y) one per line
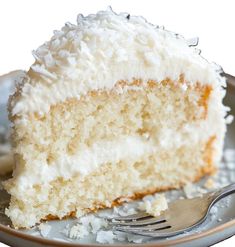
(141,223)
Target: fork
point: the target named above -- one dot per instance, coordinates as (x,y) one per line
(182,215)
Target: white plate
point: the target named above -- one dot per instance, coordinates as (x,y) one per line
(220,224)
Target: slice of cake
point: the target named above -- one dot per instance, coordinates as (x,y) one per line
(112,108)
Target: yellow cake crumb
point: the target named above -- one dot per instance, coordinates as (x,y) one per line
(156,206)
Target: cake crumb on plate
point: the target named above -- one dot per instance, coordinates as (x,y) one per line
(209,184)
(154,206)
(86,225)
(105,237)
(77,231)
(44,229)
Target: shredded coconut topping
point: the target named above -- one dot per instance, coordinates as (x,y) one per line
(86,225)
(102,49)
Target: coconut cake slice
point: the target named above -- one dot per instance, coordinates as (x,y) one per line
(112,108)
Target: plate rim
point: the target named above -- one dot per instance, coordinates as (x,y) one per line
(184,239)
(55,243)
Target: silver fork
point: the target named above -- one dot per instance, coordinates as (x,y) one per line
(182,215)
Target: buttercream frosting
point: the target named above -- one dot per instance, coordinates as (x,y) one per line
(102,49)
(84,161)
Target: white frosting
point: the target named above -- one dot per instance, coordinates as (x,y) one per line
(102,49)
(85,161)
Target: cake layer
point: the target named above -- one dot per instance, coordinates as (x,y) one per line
(112,183)
(78,136)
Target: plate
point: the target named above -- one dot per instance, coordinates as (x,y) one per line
(219,225)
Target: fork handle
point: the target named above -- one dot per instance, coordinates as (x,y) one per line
(221,193)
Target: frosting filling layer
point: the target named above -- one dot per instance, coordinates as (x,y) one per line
(85,161)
